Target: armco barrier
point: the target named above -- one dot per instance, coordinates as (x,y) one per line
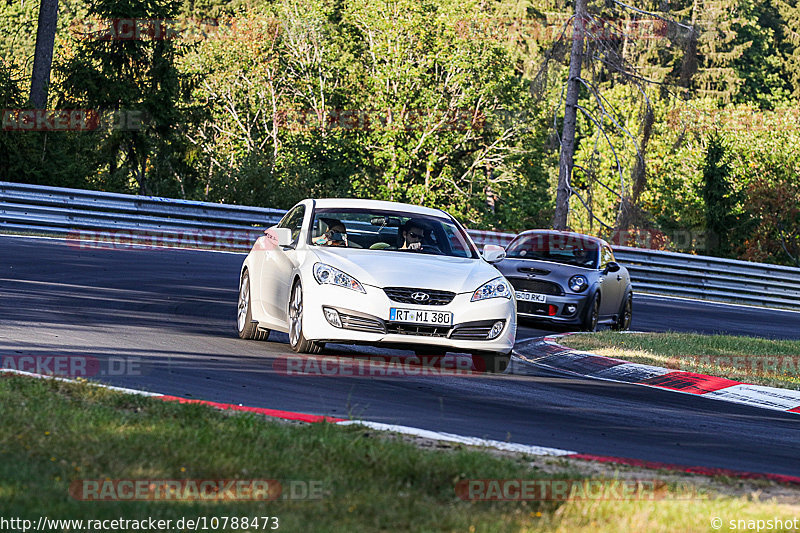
(142,219)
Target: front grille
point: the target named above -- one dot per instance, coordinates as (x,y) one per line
(358,323)
(536,285)
(531,308)
(403,295)
(419,330)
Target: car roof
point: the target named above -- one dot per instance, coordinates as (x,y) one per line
(358,203)
(566,234)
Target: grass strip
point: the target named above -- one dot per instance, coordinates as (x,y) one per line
(773,363)
(54,433)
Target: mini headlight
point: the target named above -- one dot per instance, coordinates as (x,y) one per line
(497,288)
(578,283)
(327,275)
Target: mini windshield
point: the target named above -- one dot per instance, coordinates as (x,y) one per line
(578,250)
(388,231)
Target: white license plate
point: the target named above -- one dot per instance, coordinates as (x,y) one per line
(530,297)
(434,318)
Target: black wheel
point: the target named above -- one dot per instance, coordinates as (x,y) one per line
(244,316)
(297,340)
(623,322)
(592,314)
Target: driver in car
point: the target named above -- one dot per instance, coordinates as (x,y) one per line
(412,236)
(336,235)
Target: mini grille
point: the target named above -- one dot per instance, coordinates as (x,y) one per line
(530,308)
(403,295)
(536,285)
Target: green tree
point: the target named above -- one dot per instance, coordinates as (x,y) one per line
(721,201)
(134,81)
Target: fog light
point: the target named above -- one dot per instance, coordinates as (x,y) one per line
(497,328)
(571,309)
(552,310)
(332,317)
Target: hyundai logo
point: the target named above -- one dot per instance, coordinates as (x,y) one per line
(421,296)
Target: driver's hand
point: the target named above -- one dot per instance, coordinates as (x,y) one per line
(415,246)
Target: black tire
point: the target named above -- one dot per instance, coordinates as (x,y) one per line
(592,314)
(244,317)
(297,340)
(623,322)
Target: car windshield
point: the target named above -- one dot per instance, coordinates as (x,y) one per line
(578,250)
(382,231)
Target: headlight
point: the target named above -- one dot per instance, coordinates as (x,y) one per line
(578,283)
(497,288)
(326,274)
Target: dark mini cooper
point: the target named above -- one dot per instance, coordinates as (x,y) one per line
(567,278)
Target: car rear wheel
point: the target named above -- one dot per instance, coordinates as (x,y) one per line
(623,322)
(297,340)
(247,328)
(592,314)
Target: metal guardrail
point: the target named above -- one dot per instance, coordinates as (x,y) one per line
(124,220)
(711,278)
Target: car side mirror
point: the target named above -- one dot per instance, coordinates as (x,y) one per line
(612,266)
(279,236)
(493,253)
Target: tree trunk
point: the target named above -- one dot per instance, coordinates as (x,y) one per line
(563,191)
(43,56)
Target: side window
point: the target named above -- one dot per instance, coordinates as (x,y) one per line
(606,256)
(294,221)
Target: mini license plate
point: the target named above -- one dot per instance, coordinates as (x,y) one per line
(530,297)
(417,316)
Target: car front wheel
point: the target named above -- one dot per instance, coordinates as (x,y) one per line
(297,340)
(247,328)
(592,314)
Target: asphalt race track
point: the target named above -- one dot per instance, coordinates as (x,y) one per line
(165,319)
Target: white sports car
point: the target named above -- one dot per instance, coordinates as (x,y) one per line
(375,272)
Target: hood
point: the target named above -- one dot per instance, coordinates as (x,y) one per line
(510,268)
(387,268)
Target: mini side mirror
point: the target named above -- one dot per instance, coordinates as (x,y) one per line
(612,266)
(493,253)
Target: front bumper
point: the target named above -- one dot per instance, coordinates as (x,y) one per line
(555,309)
(365,319)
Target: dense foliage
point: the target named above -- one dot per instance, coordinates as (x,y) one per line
(437,102)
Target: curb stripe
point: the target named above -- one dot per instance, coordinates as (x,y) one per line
(470,441)
(705,471)
(548,352)
(274,413)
